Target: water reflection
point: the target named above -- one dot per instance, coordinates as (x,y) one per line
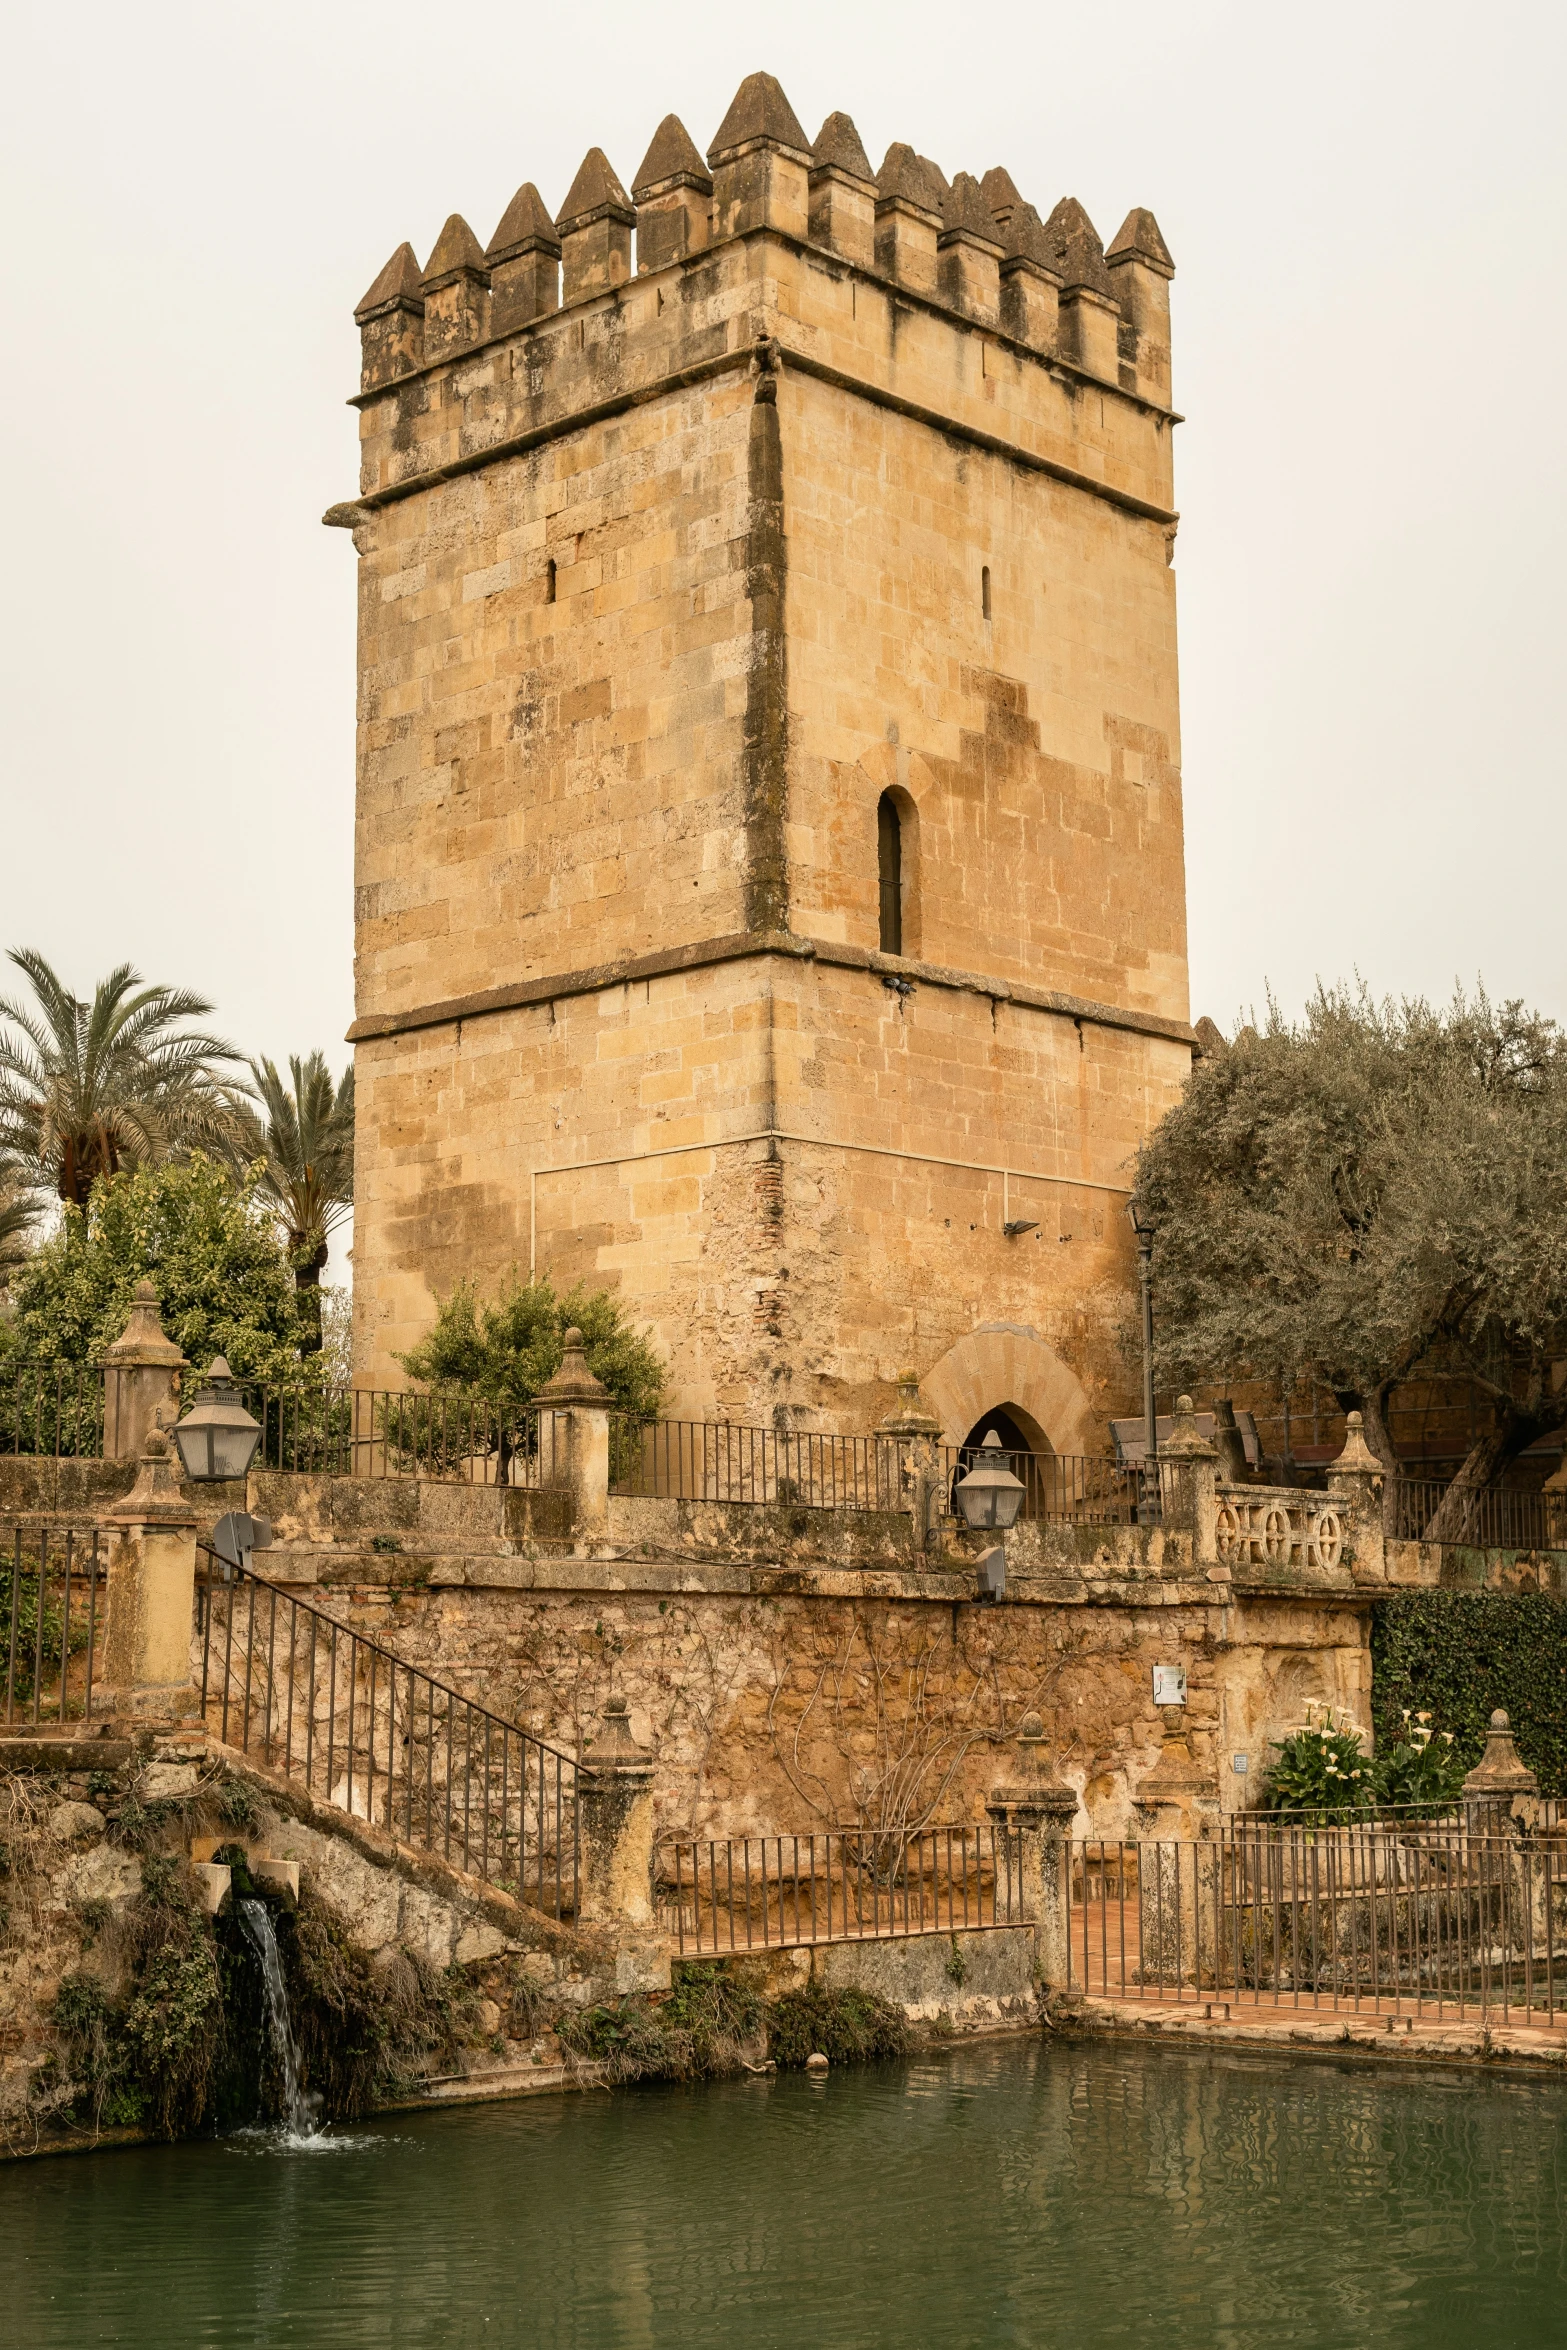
(1031,2195)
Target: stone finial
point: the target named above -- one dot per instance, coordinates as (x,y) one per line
(909,1418)
(155,1499)
(398,283)
(1501,1770)
(573,1383)
(1186,1440)
(1138,239)
(142,1340)
(457,253)
(595,194)
(838,148)
(1074,250)
(1000,194)
(1357,1453)
(759,115)
(672,161)
(1212,1045)
(525,227)
(965,213)
(614,1747)
(912,179)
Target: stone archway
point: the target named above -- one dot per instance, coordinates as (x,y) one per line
(1007,1363)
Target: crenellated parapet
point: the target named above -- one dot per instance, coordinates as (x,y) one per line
(974,249)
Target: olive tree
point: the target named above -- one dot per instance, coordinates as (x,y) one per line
(1372,1191)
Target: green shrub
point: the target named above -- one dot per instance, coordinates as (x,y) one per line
(1321,1772)
(847,2027)
(1457,1655)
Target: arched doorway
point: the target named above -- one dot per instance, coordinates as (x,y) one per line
(1023,1442)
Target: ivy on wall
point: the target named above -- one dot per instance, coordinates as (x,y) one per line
(1459,1655)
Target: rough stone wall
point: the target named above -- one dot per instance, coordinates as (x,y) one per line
(791,1711)
(761,487)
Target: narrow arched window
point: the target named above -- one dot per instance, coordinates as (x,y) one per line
(984,590)
(889,867)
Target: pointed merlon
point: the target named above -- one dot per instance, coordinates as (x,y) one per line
(1026,240)
(595,192)
(525,227)
(1073,249)
(912,178)
(759,110)
(1000,194)
(1139,240)
(456,248)
(966,210)
(671,162)
(838,146)
(399,281)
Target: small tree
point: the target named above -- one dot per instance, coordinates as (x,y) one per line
(209,1248)
(89,1088)
(304,1143)
(1376,1190)
(505,1350)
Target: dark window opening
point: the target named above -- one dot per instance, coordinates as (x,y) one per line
(549,581)
(984,590)
(889,866)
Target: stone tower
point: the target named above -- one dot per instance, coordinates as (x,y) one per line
(770,897)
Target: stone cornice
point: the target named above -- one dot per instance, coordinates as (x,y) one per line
(742,946)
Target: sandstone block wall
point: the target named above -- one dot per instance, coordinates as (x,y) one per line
(660,592)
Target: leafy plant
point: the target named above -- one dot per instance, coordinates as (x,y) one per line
(1377,1188)
(501,1352)
(1321,1772)
(303,1144)
(1422,1767)
(848,2027)
(1459,1655)
(205,1242)
(90,1089)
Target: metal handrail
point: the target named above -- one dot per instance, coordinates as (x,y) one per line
(836,1885)
(50,1626)
(384,1741)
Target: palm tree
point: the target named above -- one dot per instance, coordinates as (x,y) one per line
(305,1142)
(86,1089)
(19,1212)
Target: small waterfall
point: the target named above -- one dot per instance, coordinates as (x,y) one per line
(298,2116)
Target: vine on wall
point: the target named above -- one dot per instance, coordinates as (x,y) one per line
(1460,1654)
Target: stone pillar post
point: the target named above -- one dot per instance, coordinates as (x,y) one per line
(1501,1793)
(575,1425)
(1176,1813)
(1191,1489)
(152,1591)
(1036,1814)
(1502,1808)
(917,1434)
(1356,1477)
(140,1372)
(615,1811)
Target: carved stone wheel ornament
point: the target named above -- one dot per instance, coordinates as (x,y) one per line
(1277,1539)
(1327,1538)
(1227,1530)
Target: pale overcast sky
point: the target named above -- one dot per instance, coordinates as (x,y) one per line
(1365,207)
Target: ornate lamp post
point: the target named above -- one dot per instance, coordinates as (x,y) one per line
(1145,1234)
(217,1438)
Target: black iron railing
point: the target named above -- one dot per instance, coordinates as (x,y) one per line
(451,1436)
(53,1583)
(1494,1518)
(307,1696)
(841,1885)
(727,1461)
(1431,1917)
(52,1410)
(1074,1487)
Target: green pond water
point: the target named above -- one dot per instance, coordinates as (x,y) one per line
(1017,2193)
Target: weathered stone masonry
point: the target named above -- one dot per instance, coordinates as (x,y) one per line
(858,486)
